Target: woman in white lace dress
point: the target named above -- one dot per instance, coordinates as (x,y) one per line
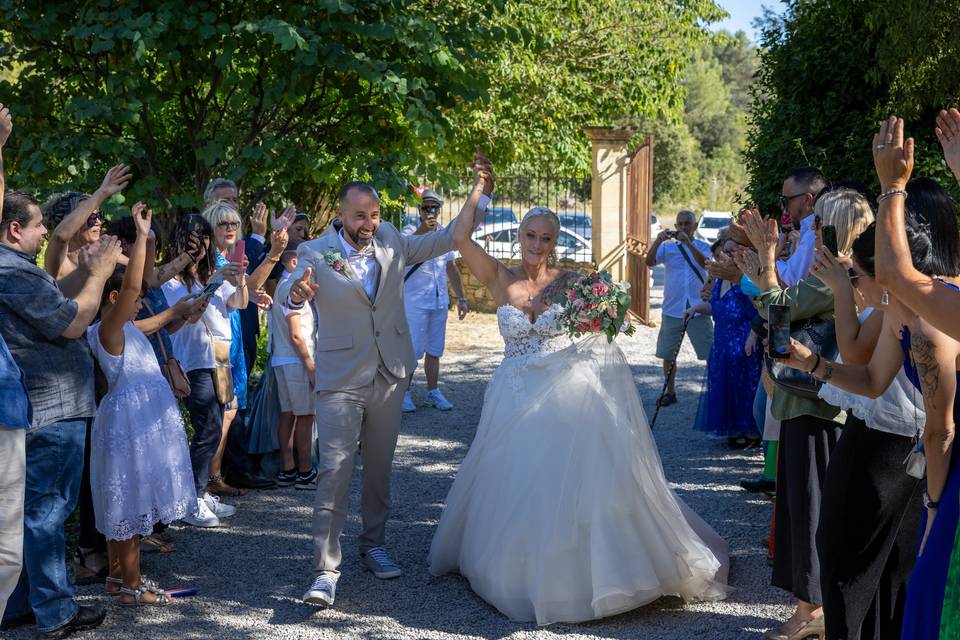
(560,511)
(140,470)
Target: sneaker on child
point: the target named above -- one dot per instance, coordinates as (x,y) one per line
(219,509)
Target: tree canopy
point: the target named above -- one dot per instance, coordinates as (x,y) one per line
(831,71)
(292,99)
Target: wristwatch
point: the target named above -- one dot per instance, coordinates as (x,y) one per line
(928,503)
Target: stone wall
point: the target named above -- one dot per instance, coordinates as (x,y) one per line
(478,296)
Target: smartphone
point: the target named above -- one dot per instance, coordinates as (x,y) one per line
(778,331)
(236,254)
(210,289)
(829,235)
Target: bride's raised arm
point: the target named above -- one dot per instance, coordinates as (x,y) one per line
(481,264)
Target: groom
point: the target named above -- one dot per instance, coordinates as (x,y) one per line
(354,276)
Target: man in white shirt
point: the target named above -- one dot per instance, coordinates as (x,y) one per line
(426,302)
(797,197)
(684,261)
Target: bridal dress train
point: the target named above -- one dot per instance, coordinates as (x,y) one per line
(560,511)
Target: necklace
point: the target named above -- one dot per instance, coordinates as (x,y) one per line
(530,295)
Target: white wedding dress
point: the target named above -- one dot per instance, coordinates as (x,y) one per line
(560,511)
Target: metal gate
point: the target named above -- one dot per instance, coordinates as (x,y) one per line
(639,206)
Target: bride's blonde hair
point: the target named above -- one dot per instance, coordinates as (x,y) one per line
(542,212)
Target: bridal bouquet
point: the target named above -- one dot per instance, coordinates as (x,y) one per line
(596,304)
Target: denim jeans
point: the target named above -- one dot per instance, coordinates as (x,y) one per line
(54,466)
(206,416)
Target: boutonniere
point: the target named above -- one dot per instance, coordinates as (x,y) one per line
(336,261)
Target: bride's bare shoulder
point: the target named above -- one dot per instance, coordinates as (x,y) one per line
(562,281)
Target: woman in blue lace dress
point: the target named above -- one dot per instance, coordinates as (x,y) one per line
(726,406)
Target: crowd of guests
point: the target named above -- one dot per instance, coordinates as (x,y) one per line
(103,329)
(858,414)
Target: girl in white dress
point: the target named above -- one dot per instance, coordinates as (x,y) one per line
(139,464)
(560,511)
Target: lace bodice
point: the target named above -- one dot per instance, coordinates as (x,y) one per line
(523,338)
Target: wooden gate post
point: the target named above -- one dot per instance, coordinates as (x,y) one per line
(609,196)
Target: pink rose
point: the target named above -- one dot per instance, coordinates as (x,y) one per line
(582,327)
(595,324)
(571,295)
(600,289)
(583,317)
(337,265)
(579,303)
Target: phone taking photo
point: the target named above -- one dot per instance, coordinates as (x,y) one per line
(237,252)
(778,331)
(210,289)
(829,235)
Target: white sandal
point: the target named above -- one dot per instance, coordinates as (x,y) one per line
(161,598)
(145,583)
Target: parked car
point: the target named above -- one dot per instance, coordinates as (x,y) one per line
(502,243)
(577,221)
(655,226)
(498,218)
(712,223)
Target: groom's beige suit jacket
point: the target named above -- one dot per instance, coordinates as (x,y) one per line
(357,336)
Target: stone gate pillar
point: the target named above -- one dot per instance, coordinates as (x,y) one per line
(611,158)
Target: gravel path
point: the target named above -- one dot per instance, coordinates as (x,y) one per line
(250,574)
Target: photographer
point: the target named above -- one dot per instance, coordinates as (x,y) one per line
(684,261)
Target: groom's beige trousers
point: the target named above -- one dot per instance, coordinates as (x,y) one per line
(370,414)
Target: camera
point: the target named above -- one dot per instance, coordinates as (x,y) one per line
(671,235)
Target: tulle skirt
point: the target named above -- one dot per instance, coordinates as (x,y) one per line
(560,511)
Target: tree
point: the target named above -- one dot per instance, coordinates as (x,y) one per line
(831,71)
(289,99)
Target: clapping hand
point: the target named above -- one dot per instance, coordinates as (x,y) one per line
(117,178)
(142,216)
(6,124)
(762,232)
(724,268)
(285,219)
(948,133)
(892,155)
(258,219)
(99,258)
(278,241)
(261,298)
(748,263)
(304,289)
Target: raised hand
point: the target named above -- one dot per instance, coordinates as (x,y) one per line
(748,263)
(762,232)
(800,357)
(724,268)
(892,155)
(261,298)
(142,216)
(304,289)
(278,241)
(195,248)
(482,163)
(285,219)
(6,124)
(258,219)
(948,133)
(117,178)
(99,259)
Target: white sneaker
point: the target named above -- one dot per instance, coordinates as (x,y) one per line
(220,509)
(408,405)
(323,591)
(203,517)
(436,399)
(377,561)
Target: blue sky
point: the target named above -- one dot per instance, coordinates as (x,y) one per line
(742,12)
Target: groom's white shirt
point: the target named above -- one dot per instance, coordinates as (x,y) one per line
(363,263)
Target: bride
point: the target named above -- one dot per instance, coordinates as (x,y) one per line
(560,511)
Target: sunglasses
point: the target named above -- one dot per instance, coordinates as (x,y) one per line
(785,200)
(854,278)
(431,209)
(229,225)
(95,219)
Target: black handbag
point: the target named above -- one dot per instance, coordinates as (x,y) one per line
(820,336)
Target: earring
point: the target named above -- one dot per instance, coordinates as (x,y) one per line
(885,298)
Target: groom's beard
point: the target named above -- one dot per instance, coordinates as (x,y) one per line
(363,243)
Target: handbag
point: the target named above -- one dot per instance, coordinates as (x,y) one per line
(222,373)
(820,336)
(171,369)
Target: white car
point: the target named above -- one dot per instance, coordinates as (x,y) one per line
(655,226)
(503,243)
(712,223)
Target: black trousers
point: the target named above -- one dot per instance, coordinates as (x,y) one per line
(803,454)
(868,534)
(206,417)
